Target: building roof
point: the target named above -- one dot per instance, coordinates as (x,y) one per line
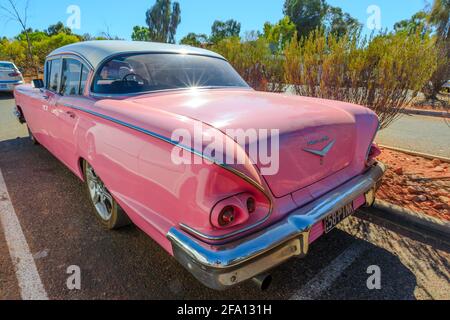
(95,52)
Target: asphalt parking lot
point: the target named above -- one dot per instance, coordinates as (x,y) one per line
(61,231)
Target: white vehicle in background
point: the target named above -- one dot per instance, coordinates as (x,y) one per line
(446,87)
(10,76)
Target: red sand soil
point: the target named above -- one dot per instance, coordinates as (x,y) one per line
(416,183)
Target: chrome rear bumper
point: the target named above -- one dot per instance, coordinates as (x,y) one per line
(222,266)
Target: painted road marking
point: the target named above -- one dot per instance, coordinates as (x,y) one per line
(327,276)
(30,284)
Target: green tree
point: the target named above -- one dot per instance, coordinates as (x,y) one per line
(340,23)
(280,33)
(307,15)
(162,20)
(140,34)
(57,28)
(417,23)
(221,30)
(195,40)
(440,18)
(11,12)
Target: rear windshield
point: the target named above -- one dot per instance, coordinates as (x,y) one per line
(155,72)
(7,66)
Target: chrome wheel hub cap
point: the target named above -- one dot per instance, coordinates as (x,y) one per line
(100,196)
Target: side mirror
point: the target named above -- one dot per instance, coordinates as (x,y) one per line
(38,83)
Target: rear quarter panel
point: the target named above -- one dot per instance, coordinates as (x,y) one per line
(156,193)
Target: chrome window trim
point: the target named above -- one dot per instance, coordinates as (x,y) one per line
(60,74)
(125,54)
(76,58)
(70,53)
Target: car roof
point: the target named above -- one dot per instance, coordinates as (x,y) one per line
(95,52)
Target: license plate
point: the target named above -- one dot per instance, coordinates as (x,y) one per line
(337,217)
(3,86)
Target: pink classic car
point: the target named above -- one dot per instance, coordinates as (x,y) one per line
(230,181)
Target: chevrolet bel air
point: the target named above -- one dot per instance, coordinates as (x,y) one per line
(229,181)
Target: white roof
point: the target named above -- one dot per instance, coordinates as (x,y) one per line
(96,52)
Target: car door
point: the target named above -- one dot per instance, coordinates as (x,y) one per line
(71,94)
(38,116)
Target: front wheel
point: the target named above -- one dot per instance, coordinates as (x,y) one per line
(106,209)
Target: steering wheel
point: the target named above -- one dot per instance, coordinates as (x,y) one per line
(136,78)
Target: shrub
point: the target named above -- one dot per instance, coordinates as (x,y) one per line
(256,63)
(384,74)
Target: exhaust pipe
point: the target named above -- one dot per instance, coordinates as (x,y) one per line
(263,281)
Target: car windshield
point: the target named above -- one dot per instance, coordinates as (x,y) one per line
(7,66)
(154,72)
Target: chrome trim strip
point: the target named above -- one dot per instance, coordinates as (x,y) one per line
(177,144)
(69,53)
(228,235)
(119,95)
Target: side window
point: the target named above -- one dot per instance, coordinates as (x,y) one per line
(84,76)
(71,75)
(54,76)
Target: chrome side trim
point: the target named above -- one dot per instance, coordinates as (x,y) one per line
(200,154)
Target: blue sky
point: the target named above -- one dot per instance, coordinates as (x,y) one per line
(197,15)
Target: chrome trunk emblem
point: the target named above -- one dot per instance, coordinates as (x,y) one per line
(321,153)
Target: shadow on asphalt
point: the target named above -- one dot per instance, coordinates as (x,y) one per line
(6,96)
(59,225)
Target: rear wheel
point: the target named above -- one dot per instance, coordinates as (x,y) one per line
(106,209)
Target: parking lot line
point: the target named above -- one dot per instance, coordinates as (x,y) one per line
(327,276)
(30,284)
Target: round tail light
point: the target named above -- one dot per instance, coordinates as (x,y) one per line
(227,216)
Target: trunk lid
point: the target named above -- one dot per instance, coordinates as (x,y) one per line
(317,138)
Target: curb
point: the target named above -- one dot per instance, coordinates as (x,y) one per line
(416,154)
(411,220)
(429,113)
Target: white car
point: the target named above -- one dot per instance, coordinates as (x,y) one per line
(446,86)
(10,76)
